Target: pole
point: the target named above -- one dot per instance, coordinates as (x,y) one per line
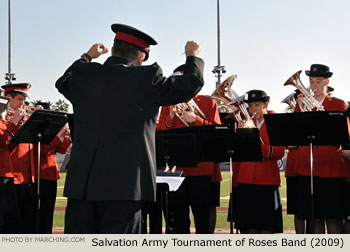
(9,76)
(218,70)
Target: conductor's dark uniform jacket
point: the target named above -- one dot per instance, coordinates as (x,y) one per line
(115,108)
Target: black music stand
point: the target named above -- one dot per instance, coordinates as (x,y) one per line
(162,203)
(308,129)
(227,119)
(171,150)
(41,127)
(216,143)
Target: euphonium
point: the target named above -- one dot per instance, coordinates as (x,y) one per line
(242,110)
(309,100)
(290,101)
(223,94)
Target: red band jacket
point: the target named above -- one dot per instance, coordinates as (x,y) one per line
(327,160)
(291,169)
(209,108)
(262,173)
(5,161)
(48,163)
(22,158)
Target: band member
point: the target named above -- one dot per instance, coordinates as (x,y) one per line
(9,212)
(22,159)
(215,194)
(112,171)
(258,203)
(196,191)
(291,175)
(49,174)
(329,176)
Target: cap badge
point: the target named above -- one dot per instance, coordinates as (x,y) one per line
(314,69)
(253,95)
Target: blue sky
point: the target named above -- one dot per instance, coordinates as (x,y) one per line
(263,42)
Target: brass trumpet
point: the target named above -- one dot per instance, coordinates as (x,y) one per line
(309,101)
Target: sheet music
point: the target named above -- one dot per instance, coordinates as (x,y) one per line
(173,182)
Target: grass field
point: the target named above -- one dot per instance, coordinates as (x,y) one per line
(221,216)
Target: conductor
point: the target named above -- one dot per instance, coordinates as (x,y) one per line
(112,166)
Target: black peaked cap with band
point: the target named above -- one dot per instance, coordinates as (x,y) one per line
(133,36)
(21,88)
(319,70)
(257,95)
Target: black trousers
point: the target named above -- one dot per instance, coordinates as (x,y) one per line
(26,198)
(194,192)
(9,211)
(48,190)
(103,217)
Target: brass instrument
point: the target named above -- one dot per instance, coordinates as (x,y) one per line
(231,102)
(28,111)
(185,106)
(290,101)
(223,95)
(309,101)
(240,104)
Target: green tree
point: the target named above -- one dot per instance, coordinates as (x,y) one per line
(33,102)
(62,105)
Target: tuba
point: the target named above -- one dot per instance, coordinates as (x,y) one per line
(309,101)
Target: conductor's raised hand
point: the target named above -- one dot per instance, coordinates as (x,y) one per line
(97,50)
(192,48)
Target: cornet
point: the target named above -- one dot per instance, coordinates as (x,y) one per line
(309,100)
(27,112)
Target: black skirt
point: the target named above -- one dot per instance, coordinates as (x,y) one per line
(329,198)
(232,203)
(215,193)
(259,207)
(292,189)
(348,201)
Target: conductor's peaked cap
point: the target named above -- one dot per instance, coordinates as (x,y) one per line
(133,36)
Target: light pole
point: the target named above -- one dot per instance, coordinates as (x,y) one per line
(9,76)
(218,70)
